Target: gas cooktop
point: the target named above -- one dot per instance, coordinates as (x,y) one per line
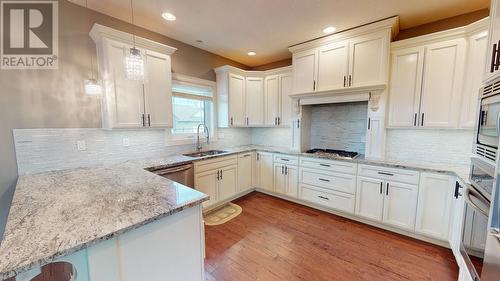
(334,152)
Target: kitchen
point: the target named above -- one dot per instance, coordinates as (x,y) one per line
(342,145)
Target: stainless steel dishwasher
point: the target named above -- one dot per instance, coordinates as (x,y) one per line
(183,174)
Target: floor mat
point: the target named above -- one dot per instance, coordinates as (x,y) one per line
(223,214)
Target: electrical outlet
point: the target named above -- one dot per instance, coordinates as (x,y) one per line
(126,142)
(81,145)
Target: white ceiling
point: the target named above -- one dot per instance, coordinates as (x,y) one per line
(231,28)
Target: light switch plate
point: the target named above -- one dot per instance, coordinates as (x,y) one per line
(81,145)
(126,142)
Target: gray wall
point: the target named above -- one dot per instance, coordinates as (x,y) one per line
(339,126)
(55,98)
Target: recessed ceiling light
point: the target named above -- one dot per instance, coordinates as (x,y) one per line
(252,53)
(329,30)
(168,16)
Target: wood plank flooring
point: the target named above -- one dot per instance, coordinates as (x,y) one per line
(277,240)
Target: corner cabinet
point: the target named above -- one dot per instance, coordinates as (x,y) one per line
(253,98)
(265,175)
(130,103)
(357,58)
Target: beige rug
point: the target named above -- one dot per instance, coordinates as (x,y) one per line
(223,214)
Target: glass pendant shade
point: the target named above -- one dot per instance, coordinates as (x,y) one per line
(93,87)
(134,65)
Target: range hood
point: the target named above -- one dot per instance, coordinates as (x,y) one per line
(352,94)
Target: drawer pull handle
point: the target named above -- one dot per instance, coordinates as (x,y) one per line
(324,180)
(323,197)
(386,174)
(325,165)
(284,159)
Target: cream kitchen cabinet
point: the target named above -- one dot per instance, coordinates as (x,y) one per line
(129,103)
(286,175)
(253,98)
(476,57)
(265,173)
(490,69)
(456,223)
(218,178)
(288,105)
(434,205)
(426,85)
(246,170)
(254,101)
(237,100)
(355,59)
(370,198)
(272,94)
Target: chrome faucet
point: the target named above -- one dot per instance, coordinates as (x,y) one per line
(205,129)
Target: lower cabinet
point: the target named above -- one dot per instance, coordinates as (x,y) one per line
(328,198)
(265,173)
(217,178)
(286,179)
(456,224)
(434,205)
(390,202)
(246,170)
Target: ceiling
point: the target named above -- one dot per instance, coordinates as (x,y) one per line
(231,28)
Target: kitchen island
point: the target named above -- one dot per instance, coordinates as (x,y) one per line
(117,223)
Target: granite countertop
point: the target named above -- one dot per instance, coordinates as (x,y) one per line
(57,213)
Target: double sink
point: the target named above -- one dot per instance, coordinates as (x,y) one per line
(205,153)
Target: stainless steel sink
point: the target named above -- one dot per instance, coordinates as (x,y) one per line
(205,153)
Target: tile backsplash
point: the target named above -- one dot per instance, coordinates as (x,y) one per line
(437,146)
(339,126)
(280,137)
(39,150)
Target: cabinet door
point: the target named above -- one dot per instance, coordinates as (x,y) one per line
(333,66)
(476,58)
(237,107)
(434,205)
(375,138)
(493,38)
(279,178)
(266,170)
(228,182)
(272,85)
(369,198)
(368,59)
(304,71)
(207,183)
(125,101)
(400,205)
(442,83)
(254,101)
(157,88)
(406,86)
(287,103)
(457,224)
(245,171)
(292,181)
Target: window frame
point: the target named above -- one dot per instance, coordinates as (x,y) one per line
(190,138)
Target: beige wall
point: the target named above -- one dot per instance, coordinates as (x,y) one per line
(55,98)
(272,65)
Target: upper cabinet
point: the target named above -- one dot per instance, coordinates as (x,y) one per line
(254,98)
(350,59)
(435,79)
(130,103)
(492,65)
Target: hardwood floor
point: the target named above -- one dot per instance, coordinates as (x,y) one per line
(277,240)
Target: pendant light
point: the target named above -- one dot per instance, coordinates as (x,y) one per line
(93,86)
(134,63)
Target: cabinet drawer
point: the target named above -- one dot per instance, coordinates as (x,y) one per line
(286,159)
(330,199)
(332,181)
(329,165)
(215,163)
(387,173)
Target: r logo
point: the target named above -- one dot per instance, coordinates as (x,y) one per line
(29,34)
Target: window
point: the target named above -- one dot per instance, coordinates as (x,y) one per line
(192,104)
